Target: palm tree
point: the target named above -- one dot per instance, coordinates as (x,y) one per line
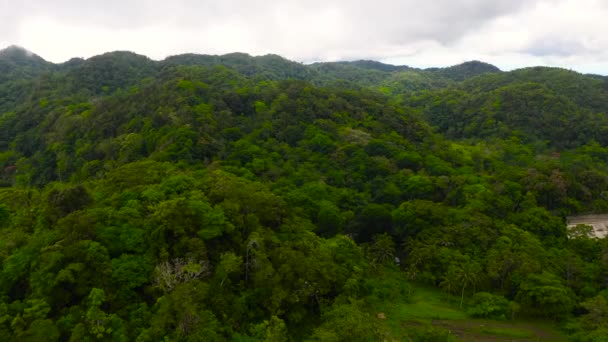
(383,249)
(468,275)
(450,280)
(460,277)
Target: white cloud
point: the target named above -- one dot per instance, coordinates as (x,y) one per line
(509,33)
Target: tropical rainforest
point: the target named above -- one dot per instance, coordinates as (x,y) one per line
(240,198)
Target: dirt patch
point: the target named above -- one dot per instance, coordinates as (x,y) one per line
(481,331)
(411,324)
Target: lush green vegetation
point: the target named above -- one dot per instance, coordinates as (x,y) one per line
(256,199)
(431,314)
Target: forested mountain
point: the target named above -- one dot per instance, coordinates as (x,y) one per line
(16,63)
(559,108)
(465,70)
(374,65)
(239,198)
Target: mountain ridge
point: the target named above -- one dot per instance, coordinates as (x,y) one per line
(253,198)
(361,63)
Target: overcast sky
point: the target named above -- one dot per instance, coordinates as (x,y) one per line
(508,33)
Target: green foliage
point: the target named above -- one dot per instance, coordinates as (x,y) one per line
(273,330)
(346,322)
(329,219)
(487,305)
(389,287)
(545,295)
(68,200)
(382,250)
(374,219)
(253,198)
(597,313)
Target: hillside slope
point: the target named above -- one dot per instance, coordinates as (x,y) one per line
(239,198)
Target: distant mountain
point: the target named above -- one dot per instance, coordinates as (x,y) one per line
(469,100)
(73,62)
(551,106)
(21,57)
(110,71)
(465,70)
(271,67)
(114,70)
(17,62)
(584,91)
(374,65)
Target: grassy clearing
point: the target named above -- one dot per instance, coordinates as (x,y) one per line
(426,304)
(429,307)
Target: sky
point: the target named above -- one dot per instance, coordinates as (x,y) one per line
(421,33)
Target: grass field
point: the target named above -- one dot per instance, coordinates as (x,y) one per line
(430,307)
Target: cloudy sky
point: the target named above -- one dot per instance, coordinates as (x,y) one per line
(508,33)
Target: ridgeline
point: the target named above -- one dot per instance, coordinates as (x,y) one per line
(240,198)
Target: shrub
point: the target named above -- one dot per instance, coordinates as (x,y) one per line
(487,305)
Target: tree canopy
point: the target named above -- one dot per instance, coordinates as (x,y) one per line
(256,199)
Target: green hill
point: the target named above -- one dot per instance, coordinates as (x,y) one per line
(556,107)
(466,70)
(240,198)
